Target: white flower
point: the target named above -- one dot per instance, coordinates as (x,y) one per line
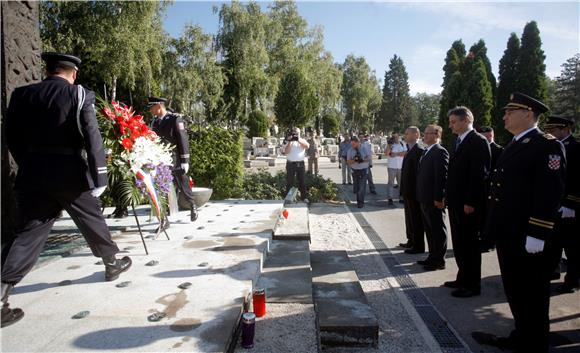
(149,151)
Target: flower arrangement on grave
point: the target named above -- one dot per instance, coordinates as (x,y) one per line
(139,164)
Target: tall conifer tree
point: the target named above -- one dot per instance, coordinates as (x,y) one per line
(395,113)
(531,70)
(478,92)
(453,86)
(507,85)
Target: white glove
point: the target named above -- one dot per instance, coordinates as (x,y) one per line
(567,212)
(185,167)
(534,245)
(96,192)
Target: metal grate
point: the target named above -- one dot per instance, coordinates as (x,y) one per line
(436,324)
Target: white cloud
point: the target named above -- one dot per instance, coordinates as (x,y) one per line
(424,86)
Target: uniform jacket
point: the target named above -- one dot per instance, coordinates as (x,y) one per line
(469,167)
(495,152)
(409,172)
(526,188)
(51,147)
(171,129)
(572,191)
(432,174)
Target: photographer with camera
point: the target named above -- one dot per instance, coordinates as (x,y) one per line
(295,150)
(358,159)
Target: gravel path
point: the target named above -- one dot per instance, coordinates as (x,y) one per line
(291,327)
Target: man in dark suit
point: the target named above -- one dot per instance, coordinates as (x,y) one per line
(566,229)
(52,133)
(413,221)
(431,177)
(527,185)
(171,128)
(487,132)
(469,165)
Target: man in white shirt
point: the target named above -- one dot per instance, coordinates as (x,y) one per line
(295,150)
(395,153)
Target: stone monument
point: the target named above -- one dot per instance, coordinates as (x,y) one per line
(21,65)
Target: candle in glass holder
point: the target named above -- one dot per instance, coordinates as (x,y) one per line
(259,302)
(248,329)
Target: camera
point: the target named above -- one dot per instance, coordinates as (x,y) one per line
(291,135)
(358,158)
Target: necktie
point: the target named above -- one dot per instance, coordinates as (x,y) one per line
(422,155)
(457,143)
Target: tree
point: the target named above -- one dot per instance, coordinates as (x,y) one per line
(507,85)
(453,86)
(478,93)
(241,41)
(331,123)
(568,89)
(258,124)
(426,109)
(359,88)
(395,112)
(118,41)
(296,103)
(530,69)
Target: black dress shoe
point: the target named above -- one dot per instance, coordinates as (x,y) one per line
(566,288)
(114,268)
(490,339)
(433,266)
(414,251)
(554,276)
(452,284)
(465,293)
(424,262)
(11,316)
(406,245)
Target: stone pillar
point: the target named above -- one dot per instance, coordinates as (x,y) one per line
(21,65)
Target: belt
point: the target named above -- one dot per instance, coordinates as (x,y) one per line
(295,161)
(67,151)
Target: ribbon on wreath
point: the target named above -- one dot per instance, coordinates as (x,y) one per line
(147,179)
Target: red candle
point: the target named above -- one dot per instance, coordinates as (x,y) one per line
(259,302)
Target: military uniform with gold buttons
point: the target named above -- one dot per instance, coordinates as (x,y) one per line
(526,189)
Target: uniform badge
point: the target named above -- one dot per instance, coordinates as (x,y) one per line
(181,126)
(554,161)
(526,140)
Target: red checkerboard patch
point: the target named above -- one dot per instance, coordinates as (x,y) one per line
(554,162)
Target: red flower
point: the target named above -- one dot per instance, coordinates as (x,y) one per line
(127,143)
(108,113)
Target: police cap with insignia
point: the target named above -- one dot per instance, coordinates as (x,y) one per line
(53,58)
(558,121)
(155,100)
(521,101)
(483,129)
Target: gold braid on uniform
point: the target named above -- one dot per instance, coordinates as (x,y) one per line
(541,223)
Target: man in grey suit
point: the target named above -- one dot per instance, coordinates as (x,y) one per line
(431,178)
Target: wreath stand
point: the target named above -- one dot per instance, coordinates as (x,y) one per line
(161,228)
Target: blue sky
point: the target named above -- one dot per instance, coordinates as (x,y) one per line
(419,32)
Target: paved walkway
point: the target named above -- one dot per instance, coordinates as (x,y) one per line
(488,312)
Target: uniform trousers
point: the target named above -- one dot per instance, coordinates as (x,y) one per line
(313,165)
(182,185)
(436,232)
(566,237)
(414,224)
(296,170)
(37,211)
(346,171)
(466,250)
(526,283)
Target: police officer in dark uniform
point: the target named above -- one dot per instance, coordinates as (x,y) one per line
(171,129)
(52,133)
(566,234)
(526,190)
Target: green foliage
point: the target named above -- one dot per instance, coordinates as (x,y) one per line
(331,123)
(296,103)
(453,86)
(261,185)
(426,109)
(361,97)
(395,113)
(507,85)
(478,93)
(216,160)
(531,76)
(567,93)
(258,124)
